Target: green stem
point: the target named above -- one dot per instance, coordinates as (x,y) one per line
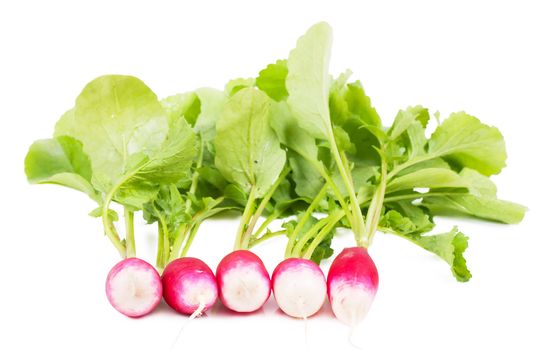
(109,228)
(414,196)
(160,251)
(163,250)
(267,222)
(375,208)
(129,233)
(304,218)
(296,253)
(322,234)
(192,233)
(409,163)
(262,205)
(186,228)
(266,236)
(195,178)
(358,224)
(336,191)
(245,218)
(178,242)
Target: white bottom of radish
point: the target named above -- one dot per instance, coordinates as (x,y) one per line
(134,290)
(244,289)
(351,303)
(300,293)
(199,292)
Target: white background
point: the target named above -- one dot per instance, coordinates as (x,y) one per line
(495,60)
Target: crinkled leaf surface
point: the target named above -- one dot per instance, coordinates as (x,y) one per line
(248,152)
(308,81)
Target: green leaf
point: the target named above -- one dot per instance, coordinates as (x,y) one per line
(168,206)
(66,124)
(431,163)
(480,202)
(272,80)
(211,175)
(200,108)
(359,104)
(427,178)
(308,81)
(248,152)
(212,103)
(234,85)
(350,101)
(342,140)
(236,194)
(169,165)
(308,181)
(60,161)
(187,105)
(97,213)
(450,247)
(324,249)
(405,118)
(118,120)
(302,153)
(133,144)
(416,140)
(290,134)
(406,218)
(464,140)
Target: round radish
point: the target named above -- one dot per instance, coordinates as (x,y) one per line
(243,282)
(352,285)
(189,286)
(133,287)
(299,287)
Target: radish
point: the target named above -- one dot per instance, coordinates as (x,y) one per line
(189,286)
(299,287)
(243,282)
(133,287)
(352,285)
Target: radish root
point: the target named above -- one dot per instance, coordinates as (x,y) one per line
(193,316)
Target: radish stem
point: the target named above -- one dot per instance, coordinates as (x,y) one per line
(129,233)
(160,251)
(358,223)
(247,213)
(331,223)
(262,205)
(375,208)
(192,233)
(306,237)
(266,236)
(304,219)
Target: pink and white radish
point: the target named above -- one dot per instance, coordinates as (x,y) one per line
(133,287)
(243,281)
(189,286)
(352,285)
(299,287)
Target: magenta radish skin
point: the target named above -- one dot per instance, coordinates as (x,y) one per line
(189,284)
(352,285)
(243,281)
(299,287)
(133,287)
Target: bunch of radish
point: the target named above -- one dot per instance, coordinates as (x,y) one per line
(293,145)
(242,283)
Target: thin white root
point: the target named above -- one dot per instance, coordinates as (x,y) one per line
(299,305)
(306,331)
(350,339)
(198,312)
(194,315)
